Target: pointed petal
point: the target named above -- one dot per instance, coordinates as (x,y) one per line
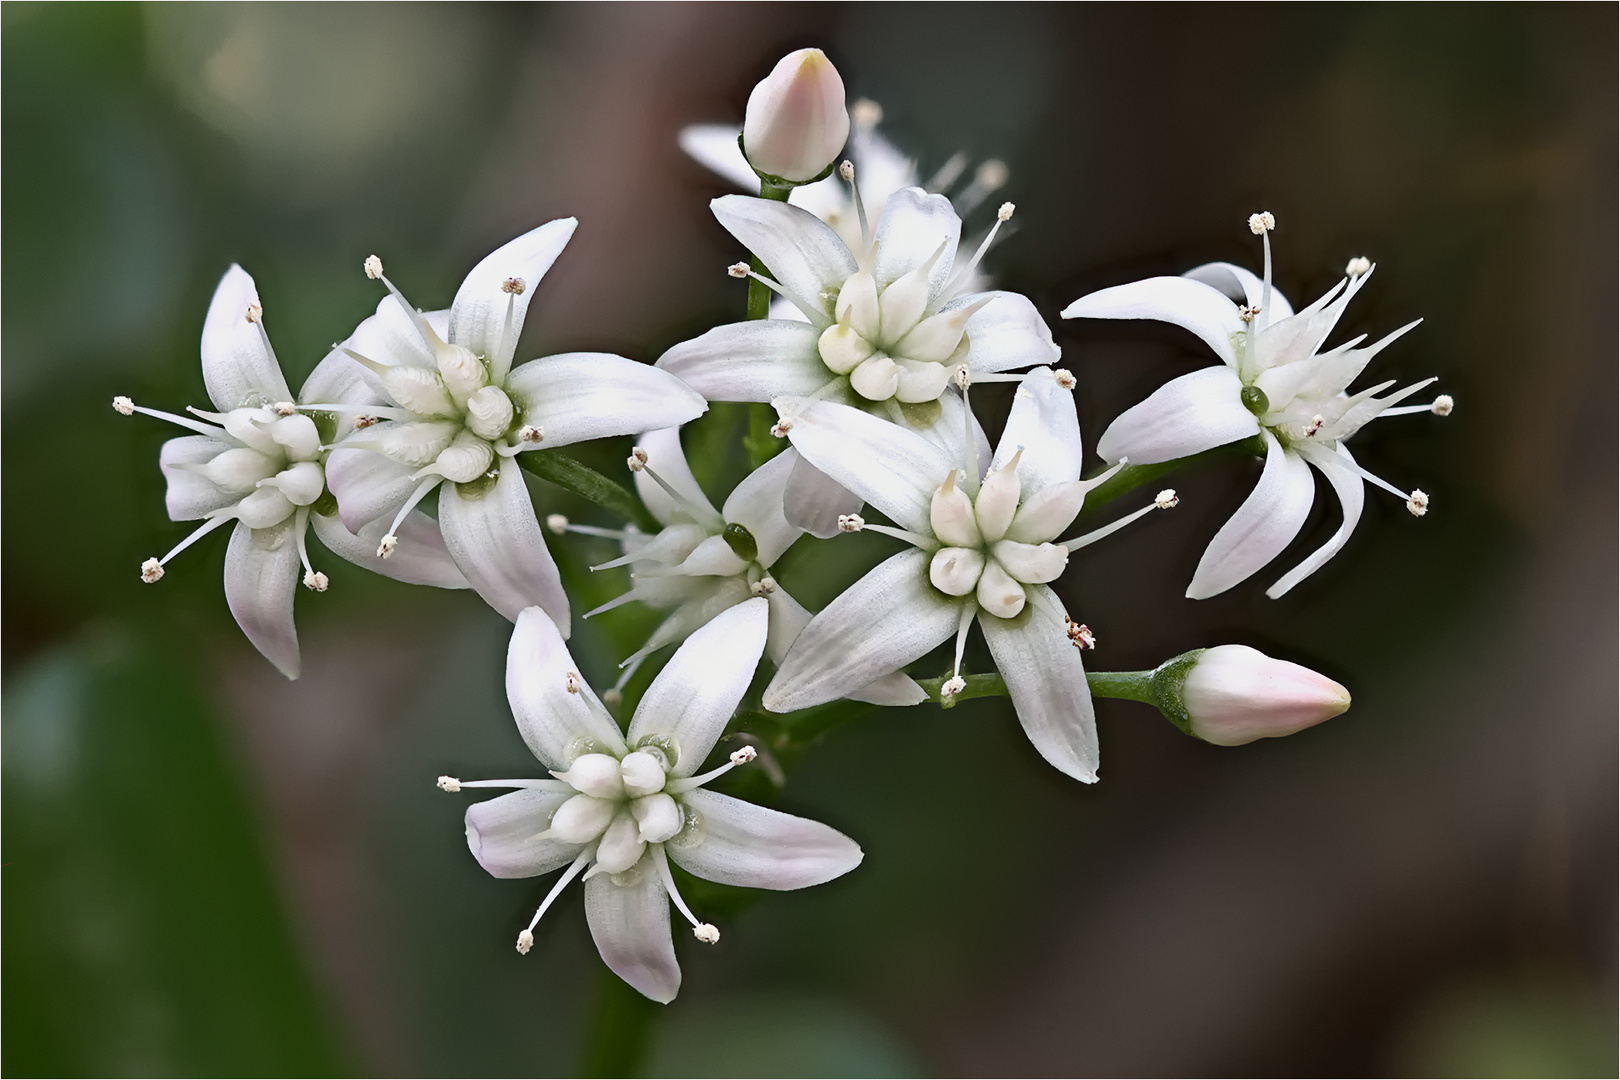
(802,253)
(757,505)
(1043,424)
(503,834)
(495,539)
(946,432)
(1006,333)
(551,719)
(191,495)
(420,559)
(1239,284)
(340,379)
(367,486)
(760,848)
(814,501)
(1047,684)
(483,310)
(573,397)
(630,924)
(1261,527)
(237,368)
(894,469)
(878,625)
(788,620)
(261,576)
(1186,415)
(665,455)
(913,225)
(389,336)
(751,361)
(1189,304)
(714,146)
(1345,477)
(694,696)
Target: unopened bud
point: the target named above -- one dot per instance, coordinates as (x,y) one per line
(1234,695)
(796,122)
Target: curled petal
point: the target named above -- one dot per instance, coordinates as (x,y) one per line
(1044,425)
(801,251)
(367,486)
(1006,333)
(261,576)
(665,455)
(1344,476)
(629,919)
(913,226)
(419,559)
(504,834)
(1186,303)
(1259,530)
(496,541)
(191,495)
(1047,684)
(573,397)
(759,848)
(487,315)
(554,721)
(1186,415)
(757,505)
(1241,285)
(238,367)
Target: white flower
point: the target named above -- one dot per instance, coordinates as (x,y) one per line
(623,805)
(1274,382)
(461,412)
(1234,695)
(705,561)
(796,122)
(257,461)
(980,549)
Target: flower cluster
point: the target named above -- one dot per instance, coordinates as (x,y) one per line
(408,451)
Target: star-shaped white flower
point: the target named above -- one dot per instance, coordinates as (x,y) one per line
(258,461)
(980,549)
(622,806)
(1275,381)
(461,412)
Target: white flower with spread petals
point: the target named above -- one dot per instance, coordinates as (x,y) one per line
(258,461)
(1275,381)
(981,548)
(623,806)
(460,413)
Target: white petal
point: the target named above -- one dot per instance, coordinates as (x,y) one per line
(894,469)
(751,361)
(420,559)
(946,432)
(367,486)
(668,460)
(694,696)
(389,336)
(573,397)
(1186,303)
(1186,415)
(486,318)
(630,925)
(340,379)
(1047,684)
(802,252)
(896,688)
(788,620)
(1043,424)
(261,575)
(237,368)
(878,625)
(714,146)
(759,848)
(1261,527)
(1006,333)
(1239,284)
(1342,473)
(503,834)
(553,722)
(913,225)
(191,495)
(756,505)
(814,501)
(495,539)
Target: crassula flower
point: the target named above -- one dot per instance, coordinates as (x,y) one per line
(981,549)
(796,122)
(258,461)
(459,413)
(620,807)
(1275,381)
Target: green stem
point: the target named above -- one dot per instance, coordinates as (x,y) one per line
(1129,685)
(586,482)
(621,1025)
(759,295)
(1132,477)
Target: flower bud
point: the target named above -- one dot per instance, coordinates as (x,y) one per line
(796,122)
(1235,695)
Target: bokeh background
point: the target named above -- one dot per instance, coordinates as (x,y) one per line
(210,870)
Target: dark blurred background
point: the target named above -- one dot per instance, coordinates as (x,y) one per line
(210,870)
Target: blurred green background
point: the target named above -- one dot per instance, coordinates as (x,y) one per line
(210,870)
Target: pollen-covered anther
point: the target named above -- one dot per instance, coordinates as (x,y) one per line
(386,548)
(1315,425)
(1167,498)
(764,586)
(531,433)
(1247,313)
(738,270)
(848,523)
(314,579)
(151,570)
(254,312)
(866,113)
(782,427)
(1442,405)
(1005,212)
(284,408)
(744,756)
(707,933)
(953,686)
(613,697)
(363,421)
(557,523)
(1080,635)
(637,459)
(525,942)
(962,377)
(514,285)
(126,407)
(571,682)
(373,267)
(1262,223)
(1357,266)
(846,170)
(1065,378)
(1418,502)
(449,783)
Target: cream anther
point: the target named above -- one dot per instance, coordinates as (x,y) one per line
(126,407)
(866,113)
(386,548)
(1065,378)
(962,377)
(284,408)
(1080,635)
(571,681)
(782,427)
(254,312)
(314,579)
(514,285)
(1315,425)
(637,459)
(525,942)
(953,686)
(1005,212)
(848,523)
(738,270)
(1418,502)
(363,421)
(1248,313)
(846,171)
(1167,498)
(1357,266)
(744,756)
(764,586)
(531,433)
(992,174)
(612,697)
(151,570)
(1442,405)
(707,933)
(1262,223)
(449,783)
(557,523)
(373,267)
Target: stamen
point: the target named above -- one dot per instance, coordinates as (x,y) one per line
(374,268)
(1378,481)
(700,514)
(571,682)
(963,622)
(962,275)
(866,114)
(782,427)
(514,285)
(704,932)
(915,539)
(364,421)
(454,784)
(254,312)
(947,175)
(1164,501)
(284,408)
(1418,502)
(557,523)
(848,523)
(151,571)
(391,541)
(990,177)
(1442,405)
(738,270)
(1315,425)
(315,580)
(962,377)
(637,459)
(707,933)
(764,586)
(738,757)
(369,413)
(1064,378)
(847,171)
(1247,313)
(449,783)
(211,430)
(531,433)
(525,940)
(124,405)
(1262,223)
(387,546)
(613,697)
(1080,635)
(953,686)
(1357,266)
(219,518)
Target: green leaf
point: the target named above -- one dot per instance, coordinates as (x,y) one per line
(587,483)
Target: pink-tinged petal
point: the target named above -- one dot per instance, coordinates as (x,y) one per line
(491,532)
(666,457)
(759,848)
(1242,286)
(552,718)
(367,486)
(1345,477)
(238,367)
(1047,683)
(757,505)
(629,919)
(1260,529)
(1186,415)
(503,834)
(814,501)
(191,495)
(1044,425)
(751,361)
(420,558)
(913,226)
(802,252)
(487,313)
(573,397)
(262,570)
(1186,303)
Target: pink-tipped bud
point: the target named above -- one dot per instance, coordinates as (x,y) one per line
(796,122)
(1235,695)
